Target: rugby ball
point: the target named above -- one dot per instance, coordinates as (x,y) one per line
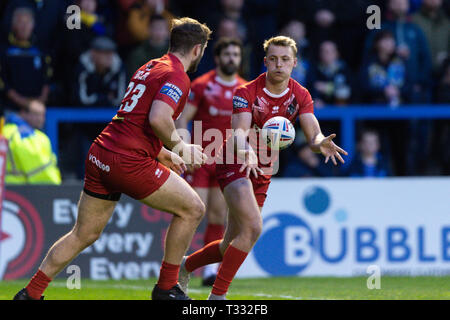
(278,133)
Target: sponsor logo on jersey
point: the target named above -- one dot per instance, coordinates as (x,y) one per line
(239,102)
(275,109)
(98,163)
(172,91)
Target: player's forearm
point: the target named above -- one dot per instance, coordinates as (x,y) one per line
(164,128)
(311,129)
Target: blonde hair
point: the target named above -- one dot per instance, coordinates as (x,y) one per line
(280,41)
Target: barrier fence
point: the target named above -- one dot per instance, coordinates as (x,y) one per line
(346,115)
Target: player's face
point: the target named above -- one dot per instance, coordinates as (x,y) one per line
(279,61)
(194,64)
(229,60)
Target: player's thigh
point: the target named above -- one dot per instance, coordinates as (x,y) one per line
(177,197)
(93,215)
(203,194)
(241,203)
(216,206)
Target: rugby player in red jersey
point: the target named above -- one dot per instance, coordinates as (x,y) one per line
(128,157)
(210,106)
(245,183)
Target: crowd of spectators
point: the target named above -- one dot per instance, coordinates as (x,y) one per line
(341,61)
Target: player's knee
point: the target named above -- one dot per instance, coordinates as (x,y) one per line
(255,230)
(87,237)
(252,230)
(196,210)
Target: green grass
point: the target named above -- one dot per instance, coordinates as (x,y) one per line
(288,288)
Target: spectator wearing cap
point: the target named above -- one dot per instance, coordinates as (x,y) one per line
(24,69)
(100,78)
(77,41)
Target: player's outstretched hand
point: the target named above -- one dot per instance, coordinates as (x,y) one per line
(330,150)
(250,164)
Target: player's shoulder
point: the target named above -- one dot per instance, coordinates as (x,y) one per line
(204,78)
(250,87)
(297,88)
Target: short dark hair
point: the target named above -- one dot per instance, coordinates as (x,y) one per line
(225,42)
(186,33)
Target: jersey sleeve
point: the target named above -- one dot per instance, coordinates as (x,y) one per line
(195,95)
(241,101)
(307,103)
(173,90)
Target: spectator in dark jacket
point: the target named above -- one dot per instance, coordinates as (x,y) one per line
(330,78)
(436,25)
(24,69)
(100,78)
(384,75)
(369,162)
(154,47)
(412,46)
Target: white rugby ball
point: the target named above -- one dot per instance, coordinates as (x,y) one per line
(278,132)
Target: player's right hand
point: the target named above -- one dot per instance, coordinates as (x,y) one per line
(250,164)
(193,155)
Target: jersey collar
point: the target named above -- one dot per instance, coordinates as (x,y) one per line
(270,94)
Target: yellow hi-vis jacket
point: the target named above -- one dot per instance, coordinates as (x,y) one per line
(30,158)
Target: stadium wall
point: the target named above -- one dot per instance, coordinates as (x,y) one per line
(312,227)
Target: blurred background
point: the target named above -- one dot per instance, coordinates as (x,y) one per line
(383,91)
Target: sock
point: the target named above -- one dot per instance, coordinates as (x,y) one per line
(206,255)
(213,232)
(37,285)
(168,275)
(232,260)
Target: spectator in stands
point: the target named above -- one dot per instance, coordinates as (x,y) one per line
(368,161)
(154,47)
(436,25)
(100,78)
(351,25)
(318,15)
(77,41)
(330,78)
(296,30)
(30,157)
(412,46)
(305,163)
(383,76)
(24,69)
(134,22)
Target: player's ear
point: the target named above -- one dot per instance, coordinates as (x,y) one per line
(265,61)
(295,61)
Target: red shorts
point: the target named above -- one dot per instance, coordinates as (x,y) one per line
(204,177)
(108,174)
(227,173)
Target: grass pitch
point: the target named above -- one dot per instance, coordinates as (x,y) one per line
(286,288)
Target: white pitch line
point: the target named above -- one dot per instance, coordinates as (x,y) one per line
(198,291)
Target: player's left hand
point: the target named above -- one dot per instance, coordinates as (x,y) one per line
(330,150)
(173,161)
